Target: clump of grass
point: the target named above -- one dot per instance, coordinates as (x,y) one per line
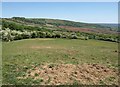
(36,74)
(101,82)
(51,65)
(76,82)
(48,81)
(38,81)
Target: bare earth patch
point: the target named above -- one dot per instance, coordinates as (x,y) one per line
(40,47)
(60,74)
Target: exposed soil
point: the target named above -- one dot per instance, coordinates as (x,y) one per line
(40,47)
(58,74)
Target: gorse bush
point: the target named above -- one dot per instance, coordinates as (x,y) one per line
(10,35)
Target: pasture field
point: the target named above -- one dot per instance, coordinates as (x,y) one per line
(24,57)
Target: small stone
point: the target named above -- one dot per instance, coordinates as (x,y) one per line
(75,72)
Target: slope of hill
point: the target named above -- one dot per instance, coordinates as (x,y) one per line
(62,24)
(109,24)
(112,26)
(23,28)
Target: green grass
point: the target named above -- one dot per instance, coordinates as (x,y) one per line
(24,53)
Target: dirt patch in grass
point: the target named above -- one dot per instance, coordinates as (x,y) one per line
(41,47)
(59,74)
(71,51)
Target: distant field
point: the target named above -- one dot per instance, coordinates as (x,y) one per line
(19,57)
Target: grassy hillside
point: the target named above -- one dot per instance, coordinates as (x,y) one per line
(18,28)
(56,23)
(113,26)
(42,61)
(58,52)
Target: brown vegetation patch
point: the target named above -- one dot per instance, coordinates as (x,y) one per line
(88,30)
(57,74)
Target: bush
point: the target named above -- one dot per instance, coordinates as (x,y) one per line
(9,35)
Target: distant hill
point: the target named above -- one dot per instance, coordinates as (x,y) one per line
(112,26)
(109,25)
(55,24)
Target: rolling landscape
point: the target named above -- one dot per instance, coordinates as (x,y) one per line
(38,51)
(50,51)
